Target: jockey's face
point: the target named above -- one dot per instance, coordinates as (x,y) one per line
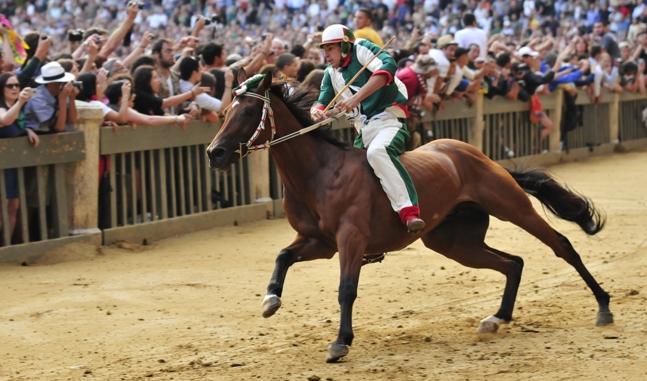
(332,53)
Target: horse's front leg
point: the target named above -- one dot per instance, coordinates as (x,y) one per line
(351,245)
(302,249)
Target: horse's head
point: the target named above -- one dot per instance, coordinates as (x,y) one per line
(247,123)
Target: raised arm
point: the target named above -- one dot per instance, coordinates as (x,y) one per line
(118,35)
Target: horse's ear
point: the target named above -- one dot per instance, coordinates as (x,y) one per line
(265,84)
(241,76)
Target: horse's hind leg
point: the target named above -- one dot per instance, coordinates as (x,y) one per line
(302,249)
(461,238)
(563,248)
(516,208)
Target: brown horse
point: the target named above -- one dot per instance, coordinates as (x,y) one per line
(336,204)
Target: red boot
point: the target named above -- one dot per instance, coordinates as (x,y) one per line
(410,217)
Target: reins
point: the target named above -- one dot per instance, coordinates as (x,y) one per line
(268,113)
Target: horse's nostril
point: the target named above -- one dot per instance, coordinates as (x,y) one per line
(217,153)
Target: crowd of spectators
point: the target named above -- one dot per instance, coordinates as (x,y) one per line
(172,61)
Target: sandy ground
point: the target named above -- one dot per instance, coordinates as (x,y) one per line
(188,308)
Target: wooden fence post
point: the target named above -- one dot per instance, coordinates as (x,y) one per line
(554,139)
(85,174)
(478,126)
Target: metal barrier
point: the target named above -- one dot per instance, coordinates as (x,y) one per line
(38,175)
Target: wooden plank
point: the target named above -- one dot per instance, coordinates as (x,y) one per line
(190,155)
(133,186)
(41,188)
(199,162)
(185,224)
(6,231)
(207,173)
(451,110)
(30,253)
(244,180)
(181,179)
(113,190)
(499,106)
(172,163)
(217,185)
(144,138)
(163,183)
(143,168)
(153,184)
(625,96)
(61,218)
(231,185)
(124,193)
(62,147)
(22,194)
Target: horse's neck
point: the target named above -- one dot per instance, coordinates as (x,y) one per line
(300,159)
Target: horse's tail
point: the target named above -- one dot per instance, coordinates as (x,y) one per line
(560,200)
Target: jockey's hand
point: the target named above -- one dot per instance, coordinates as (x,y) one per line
(347,105)
(317,115)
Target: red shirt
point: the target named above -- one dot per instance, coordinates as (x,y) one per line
(411,82)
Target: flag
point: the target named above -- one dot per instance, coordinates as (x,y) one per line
(14,49)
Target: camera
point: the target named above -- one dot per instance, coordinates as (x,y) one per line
(210,20)
(140,4)
(78,84)
(75,35)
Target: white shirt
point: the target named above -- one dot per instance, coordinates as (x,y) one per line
(442,61)
(203,100)
(467,36)
(105,109)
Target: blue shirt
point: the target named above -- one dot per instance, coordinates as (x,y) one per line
(40,111)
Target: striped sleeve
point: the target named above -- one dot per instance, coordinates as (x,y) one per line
(383,64)
(327,92)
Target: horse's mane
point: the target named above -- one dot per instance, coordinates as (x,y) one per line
(299,104)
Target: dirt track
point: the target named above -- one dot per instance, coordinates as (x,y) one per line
(188,308)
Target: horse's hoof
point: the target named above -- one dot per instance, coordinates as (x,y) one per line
(336,351)
(271,303)
(604,318)
(490,324)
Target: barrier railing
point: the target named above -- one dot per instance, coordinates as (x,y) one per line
(159,173)
(156,180)
(33,189)
(633,117)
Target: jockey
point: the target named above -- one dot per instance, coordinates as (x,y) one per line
(378,100)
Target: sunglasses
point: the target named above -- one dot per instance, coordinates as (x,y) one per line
(12,86)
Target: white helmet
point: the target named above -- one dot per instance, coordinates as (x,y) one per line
(337,33)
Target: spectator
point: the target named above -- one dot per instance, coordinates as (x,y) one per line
(471,34)
(287,65)
(117,95)
(52,107)
(147,87)
(190,77)
(605,39)
(363,21)
(443,55)
(419,80)
(36,56)
(169,81)
(312,82)
(92,93)
(305,67)
(12,124)
(213,56)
